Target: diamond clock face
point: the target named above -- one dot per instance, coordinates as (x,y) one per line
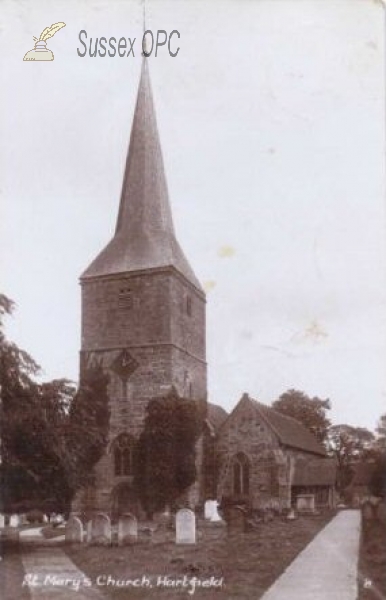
(124,365)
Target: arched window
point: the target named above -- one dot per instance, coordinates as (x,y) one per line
(240,475)
(123,455)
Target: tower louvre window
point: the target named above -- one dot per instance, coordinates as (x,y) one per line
(125,298)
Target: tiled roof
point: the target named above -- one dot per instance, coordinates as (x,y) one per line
(319,471)
(289,431)
(216,415)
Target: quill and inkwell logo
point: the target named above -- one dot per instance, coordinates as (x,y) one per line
(41,52)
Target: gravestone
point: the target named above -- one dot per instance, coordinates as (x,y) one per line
(99,530)
(236,519)
(305,503)
(14,521)
(209,508)
(127,529)
(185,526)
(88,531)
(74,530)
(215,518)
(2,520)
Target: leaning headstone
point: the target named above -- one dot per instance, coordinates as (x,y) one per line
(2,521)
(14,521)
(127,529)
(100,530)
(74,530)
(185,526)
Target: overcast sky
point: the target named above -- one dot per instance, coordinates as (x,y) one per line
(272,125)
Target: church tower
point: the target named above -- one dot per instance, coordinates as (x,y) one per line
(143,310)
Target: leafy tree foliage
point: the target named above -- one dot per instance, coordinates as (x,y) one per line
(87,429)
(380,442)
(49,438)
(348,445)
(165,455)
(378,455)
(311,412)
(378,478)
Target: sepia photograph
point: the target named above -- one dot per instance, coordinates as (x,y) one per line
(193,300)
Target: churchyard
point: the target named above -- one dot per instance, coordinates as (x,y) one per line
(240,559)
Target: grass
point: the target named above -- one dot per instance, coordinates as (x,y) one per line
(248,563)
(372,562)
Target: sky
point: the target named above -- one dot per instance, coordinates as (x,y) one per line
(272,124)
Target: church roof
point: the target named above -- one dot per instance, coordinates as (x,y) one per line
(216,415)
(144,236)
(320,471)
(289,431)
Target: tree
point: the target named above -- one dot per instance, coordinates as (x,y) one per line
(50,437)
(380,442)
(378,454)
(311,412)
(378,477)
(349,446)
(87,429)
(165,455)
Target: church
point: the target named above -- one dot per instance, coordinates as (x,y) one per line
(143,320)
(143,311)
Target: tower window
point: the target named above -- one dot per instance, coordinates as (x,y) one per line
(189,306)
(123,455)
(125,298)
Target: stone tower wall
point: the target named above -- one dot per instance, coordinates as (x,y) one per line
(146,318)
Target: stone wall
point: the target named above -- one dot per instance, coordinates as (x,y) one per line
(147,331)
(245,432)
(271,465)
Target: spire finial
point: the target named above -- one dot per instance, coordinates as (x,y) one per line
(144,42)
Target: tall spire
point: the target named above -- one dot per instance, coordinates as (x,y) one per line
(144,235)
